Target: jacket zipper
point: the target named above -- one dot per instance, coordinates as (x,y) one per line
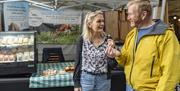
(131,73)
(152,66)
(134,51)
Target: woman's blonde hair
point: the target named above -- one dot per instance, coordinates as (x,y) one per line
(142,5)
(87,32)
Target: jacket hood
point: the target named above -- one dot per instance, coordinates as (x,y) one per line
(159,27)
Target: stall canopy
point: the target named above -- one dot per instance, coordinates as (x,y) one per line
(79,4)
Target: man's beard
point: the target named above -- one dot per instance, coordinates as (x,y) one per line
(136,23)
(132,24)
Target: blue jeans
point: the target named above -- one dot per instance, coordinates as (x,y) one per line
(128,88)
(91,82)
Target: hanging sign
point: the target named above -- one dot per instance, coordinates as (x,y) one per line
(39,16)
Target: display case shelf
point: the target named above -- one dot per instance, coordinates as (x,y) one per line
(17,52)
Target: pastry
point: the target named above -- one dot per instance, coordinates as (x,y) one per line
(69,68)
(20,40)
(31,40)
(6,57)
(9,41)
(26,56)
(16,40)
(1,41)
(19,57)
(31,55)
(61,72)
(25,40)
(1,57)
(4,41)
(49,72)
(12,57)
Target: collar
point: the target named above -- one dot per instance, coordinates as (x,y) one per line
(159,27)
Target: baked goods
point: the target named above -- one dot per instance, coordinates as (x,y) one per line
(69,68)
(31,40)
(1,57)
(49,72)
(10,41)
(1,41)
(4,41)
(12,57)
(25,40)
(20,40)
(19,57)
(16,40)
(61,72)
(26,56)
(6,57)
(31,56)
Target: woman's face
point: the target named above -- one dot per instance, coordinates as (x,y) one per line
(97,25)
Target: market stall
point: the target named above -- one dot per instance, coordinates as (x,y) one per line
(59,23)
(52,75)
(53,81)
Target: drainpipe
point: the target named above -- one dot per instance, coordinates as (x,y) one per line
(155,11)
(163,9)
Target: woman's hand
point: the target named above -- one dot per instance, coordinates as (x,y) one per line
(77,89)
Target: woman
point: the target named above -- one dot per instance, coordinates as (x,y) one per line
(92,67)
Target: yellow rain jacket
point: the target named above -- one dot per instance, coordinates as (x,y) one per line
(153,64)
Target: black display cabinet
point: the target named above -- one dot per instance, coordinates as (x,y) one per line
(17,53)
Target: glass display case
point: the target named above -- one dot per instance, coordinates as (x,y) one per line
(17,52)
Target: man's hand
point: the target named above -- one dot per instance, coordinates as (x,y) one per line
(111,43)
(110,52)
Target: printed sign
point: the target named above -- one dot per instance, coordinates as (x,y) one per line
(16,15)
(38,16)
(55,27)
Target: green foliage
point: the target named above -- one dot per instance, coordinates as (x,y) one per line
(58,38)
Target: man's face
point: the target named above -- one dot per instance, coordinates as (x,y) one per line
(134,16)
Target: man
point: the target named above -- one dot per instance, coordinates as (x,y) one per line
(151,52)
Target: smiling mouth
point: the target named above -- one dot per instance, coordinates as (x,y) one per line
(101,27)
